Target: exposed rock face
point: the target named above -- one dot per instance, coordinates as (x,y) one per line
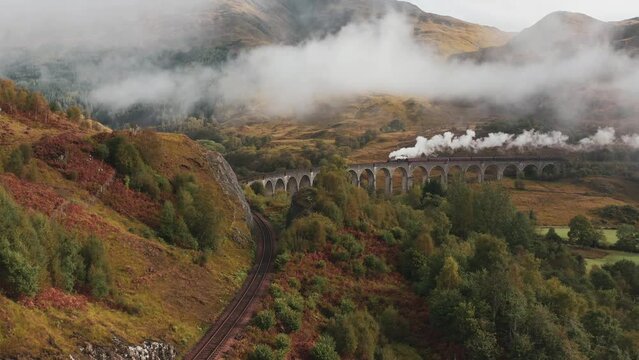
(149,350)
(230,185)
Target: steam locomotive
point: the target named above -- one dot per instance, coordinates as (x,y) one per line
(469,158)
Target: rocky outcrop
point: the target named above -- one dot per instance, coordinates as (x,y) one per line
(148,350)
(229,183)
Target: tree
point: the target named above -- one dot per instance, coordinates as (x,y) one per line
(583,233)
(167,222)
(460,208)
(443,305)
(290,319)
(18,159)
(101,151)
(38,105)
(394,326)
(626,273)
(15,163)
(490,253)
(493,211)
(519,231)
(324,349)
(395,125)
(74,113)
(552,235)
(355,334)
(601,279)
(343,331)
(399,352)
(173,229)
(375,264)
(124,156)
(628,238)
(205,225)
(97,271)
(449,277)
(264,319)
(27,152)
(17,275)
(602,327)
(562,300)
(262,352)
(282,342)
(307,234)
(258,188)
(424,243)
(68,265)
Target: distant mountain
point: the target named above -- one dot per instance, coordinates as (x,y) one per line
(248,23)
(562,33)
(627,36)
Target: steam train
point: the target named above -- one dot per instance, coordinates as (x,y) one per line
(470,158)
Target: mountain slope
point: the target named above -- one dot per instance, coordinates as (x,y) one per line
(241,23)
(561,34)
(153,290)
(628,36)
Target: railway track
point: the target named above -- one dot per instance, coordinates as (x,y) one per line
(211,345)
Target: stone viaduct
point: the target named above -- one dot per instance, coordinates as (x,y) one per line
(399,176)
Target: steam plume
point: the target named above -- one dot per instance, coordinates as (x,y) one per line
(527,140)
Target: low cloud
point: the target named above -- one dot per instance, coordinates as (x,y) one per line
(383,57)
(81,25)
(377,57)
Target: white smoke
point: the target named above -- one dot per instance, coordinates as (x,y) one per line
(603,137)
(534,139)
(631,141)
(527,140)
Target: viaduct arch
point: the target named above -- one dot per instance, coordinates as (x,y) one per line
(399,176)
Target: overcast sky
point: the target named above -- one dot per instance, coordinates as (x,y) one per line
(515,15)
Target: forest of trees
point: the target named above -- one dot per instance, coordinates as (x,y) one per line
(492,284)
(16,99)
(36,252)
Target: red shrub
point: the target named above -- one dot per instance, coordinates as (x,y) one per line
(55,298)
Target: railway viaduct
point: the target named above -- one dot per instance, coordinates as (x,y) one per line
(399,176)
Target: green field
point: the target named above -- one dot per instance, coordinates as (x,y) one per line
(597,257)
(609,234)
(612,257)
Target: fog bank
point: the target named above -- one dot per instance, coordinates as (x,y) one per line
(383,58)
(377,57)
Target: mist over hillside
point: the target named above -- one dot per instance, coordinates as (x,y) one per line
(70,50)
(134,62)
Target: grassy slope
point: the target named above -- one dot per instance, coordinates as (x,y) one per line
(284,21)
(167,296)
(172,154)
(555,203)
(354,117)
